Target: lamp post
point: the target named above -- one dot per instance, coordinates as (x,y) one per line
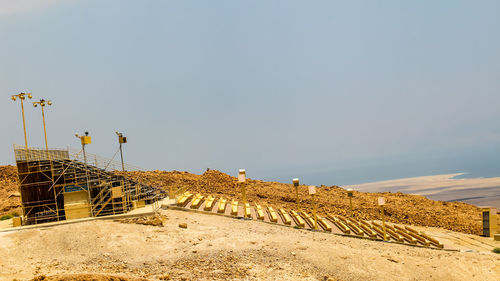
(312,192)
(121,139)
(42,104)
(84,140)
(242,181)
(22,97)
(296,184)
(381,203)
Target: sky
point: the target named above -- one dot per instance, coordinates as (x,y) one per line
(332,92)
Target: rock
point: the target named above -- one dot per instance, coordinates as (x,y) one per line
(183,225)
(165,277)
(16,194)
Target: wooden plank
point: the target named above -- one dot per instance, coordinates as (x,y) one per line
(285,217)
(298,219)
(259,211)
(339,224)
(308,218)
(184,199)
(406,237)
(355,229)
(222,206)
(195,204)
(234,207)
(372,234)
(272,214)
(209,203)
(324,224)
(433,241)
(389,231)
(247,213)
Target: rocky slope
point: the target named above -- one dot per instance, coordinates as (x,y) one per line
(400,208)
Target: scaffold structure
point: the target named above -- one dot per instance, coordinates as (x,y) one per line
(60,184)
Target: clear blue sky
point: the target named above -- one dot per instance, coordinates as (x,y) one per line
(333,92)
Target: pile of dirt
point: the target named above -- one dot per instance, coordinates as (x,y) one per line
(400,208)
(155,220)
(10,199)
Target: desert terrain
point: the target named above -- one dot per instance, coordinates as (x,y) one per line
(401,208)
(221,248)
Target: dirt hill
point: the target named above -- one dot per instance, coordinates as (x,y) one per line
(400,208)
(9,191)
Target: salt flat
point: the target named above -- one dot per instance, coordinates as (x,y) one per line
(445,187)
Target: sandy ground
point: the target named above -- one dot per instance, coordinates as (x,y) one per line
(220,248)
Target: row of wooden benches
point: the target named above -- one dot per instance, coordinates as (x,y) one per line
(349,226)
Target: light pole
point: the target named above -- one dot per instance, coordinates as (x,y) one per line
(84,140)
(121,139)
(21,97)
(296,184)
(381,203)
(312,192)
(242,180)
(42,104)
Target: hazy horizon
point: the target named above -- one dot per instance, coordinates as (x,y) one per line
(332,92)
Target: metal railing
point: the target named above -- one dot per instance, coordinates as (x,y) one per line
(55,154)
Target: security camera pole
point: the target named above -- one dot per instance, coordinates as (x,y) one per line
(121,139)
(84,140)
(242,181)
(21,97)
(296,184)
(42,103)
(312,192)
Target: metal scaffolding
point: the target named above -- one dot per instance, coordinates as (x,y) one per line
(57,184)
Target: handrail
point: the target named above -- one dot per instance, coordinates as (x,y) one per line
(39,154)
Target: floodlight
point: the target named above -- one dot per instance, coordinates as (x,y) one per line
(350,192)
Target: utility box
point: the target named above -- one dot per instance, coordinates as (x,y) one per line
(17,221)
(139,204)
(489,222)
(85,140)
(76,205)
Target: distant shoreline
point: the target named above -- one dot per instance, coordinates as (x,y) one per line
(445,187)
